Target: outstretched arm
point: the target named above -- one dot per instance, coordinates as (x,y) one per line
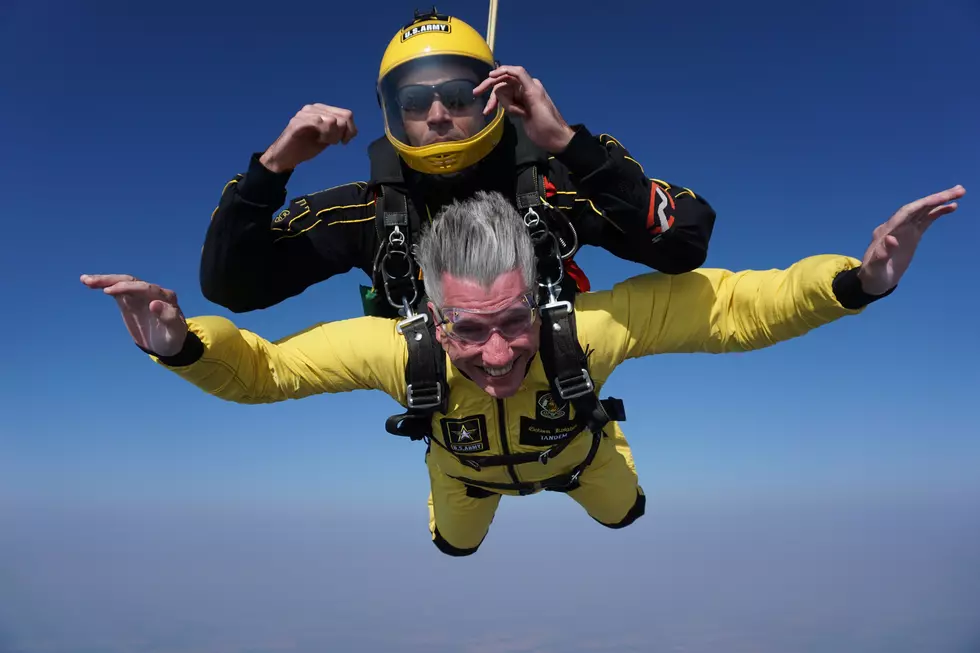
(240,366)
(720,311)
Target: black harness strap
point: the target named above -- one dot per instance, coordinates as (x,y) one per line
(395,268)
(530,188)
(425,379)
(530,201)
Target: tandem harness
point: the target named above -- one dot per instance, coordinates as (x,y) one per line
(565,363)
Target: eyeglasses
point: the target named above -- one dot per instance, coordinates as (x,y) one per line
(455,94)
(510,322)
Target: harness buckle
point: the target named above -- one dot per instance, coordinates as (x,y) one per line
(554,309)
(560,309)
(576,386)
(424,395)
(545,456)
(531,219)
(411,319)
(395,284)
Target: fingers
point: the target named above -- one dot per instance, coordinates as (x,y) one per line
(484,85)
(105,280)
(119,285)
(501,95)
(333,124)
(517,72)
(491,103)
(507,92)
(932,201)
(150,291)
(940,211)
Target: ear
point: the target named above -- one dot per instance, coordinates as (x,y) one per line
(440,334)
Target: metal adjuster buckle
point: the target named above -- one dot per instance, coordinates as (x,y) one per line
(394,284)
(553,309)
(576,386)
(418,317)
(427,395)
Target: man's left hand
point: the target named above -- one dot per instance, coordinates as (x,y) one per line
(893,243)
(524,97)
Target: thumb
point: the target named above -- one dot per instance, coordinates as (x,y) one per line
(168,314)
(889,245)
(168,337)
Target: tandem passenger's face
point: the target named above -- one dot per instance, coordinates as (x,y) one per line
(490,334)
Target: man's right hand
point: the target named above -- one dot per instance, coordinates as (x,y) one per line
(151,313)
(311,130)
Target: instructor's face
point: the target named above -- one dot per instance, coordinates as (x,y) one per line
(492,334)
(441,105)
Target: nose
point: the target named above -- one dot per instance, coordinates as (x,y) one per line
(438,112)
(497,351)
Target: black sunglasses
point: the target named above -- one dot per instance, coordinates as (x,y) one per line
(455,94)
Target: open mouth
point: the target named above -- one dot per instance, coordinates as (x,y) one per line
(498,371)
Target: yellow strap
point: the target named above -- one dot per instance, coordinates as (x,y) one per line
(492,24)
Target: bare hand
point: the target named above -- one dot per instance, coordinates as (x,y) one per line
(314,128)
(150,312)
(893,243)
(526,98)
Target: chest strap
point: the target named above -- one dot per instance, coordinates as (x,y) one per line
(562,482)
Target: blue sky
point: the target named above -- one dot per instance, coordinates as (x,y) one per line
(804,125)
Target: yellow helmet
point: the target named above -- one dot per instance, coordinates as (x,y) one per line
(438,57)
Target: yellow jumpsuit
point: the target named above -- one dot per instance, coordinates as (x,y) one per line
(707,310)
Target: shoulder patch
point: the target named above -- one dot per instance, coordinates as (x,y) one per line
(660,217)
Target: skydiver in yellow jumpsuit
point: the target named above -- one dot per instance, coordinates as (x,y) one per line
(479,270)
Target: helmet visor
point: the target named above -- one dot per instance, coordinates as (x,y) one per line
(430,100)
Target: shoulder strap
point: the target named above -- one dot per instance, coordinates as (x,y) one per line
(530,196)
(567,368)
(395,270)
(425,379)
(530,187)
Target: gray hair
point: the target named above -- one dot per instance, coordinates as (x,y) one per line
(478,239)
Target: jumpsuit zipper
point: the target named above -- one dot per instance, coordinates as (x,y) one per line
(501,418)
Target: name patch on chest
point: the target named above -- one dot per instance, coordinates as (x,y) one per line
(552,422)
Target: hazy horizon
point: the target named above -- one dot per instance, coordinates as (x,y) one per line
(899,575)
